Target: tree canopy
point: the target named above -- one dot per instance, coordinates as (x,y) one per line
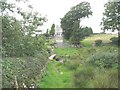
(52,31)
(111,19)
(70,23)
(17,37)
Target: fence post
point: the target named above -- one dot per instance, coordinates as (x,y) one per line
(16,84)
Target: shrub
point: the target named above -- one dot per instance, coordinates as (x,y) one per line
(98,42)
(104,59)
(115,40)
(25,69)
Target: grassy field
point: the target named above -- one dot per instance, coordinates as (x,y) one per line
(77,72)
(88,41)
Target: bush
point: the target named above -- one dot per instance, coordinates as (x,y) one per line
(26,70)
(104,59)
(115,40)
(98,42)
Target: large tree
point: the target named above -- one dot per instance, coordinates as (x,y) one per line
(111,19)
(70,23)
(15,42)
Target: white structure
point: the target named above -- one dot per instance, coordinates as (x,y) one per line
(58,34)
(58,37)
(58,31)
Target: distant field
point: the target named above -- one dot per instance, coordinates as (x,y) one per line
(88,41)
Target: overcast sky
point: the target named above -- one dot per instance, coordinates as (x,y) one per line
(56,9)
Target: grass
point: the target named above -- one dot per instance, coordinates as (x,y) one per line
(66,79)
(107,79)
(56,76)
(76,72)
(88,41)
(66,51)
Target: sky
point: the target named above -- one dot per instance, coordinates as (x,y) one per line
(56,9)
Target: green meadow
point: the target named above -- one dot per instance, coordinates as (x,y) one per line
(87,67)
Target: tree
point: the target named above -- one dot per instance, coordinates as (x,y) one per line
(70,23)
(14,40)
(11,34)
(52,31)
(111,16)
(15,43)
(31,21)
(80,34)
(47,35)
(87,31)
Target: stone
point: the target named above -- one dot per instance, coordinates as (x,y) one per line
(52,56)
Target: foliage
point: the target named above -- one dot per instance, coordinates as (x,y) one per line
(80,34)
(6,6)
(47,35)
(98,42)
(24,55)
(31,21)
(115,40)
(52,31)
(71,21)
(104,59)
(26,70)
(76,37)
(87,31)
(15,43)
(111,16)
(17,37)
(11,34)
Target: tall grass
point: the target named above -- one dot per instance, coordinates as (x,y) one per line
(107,78)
